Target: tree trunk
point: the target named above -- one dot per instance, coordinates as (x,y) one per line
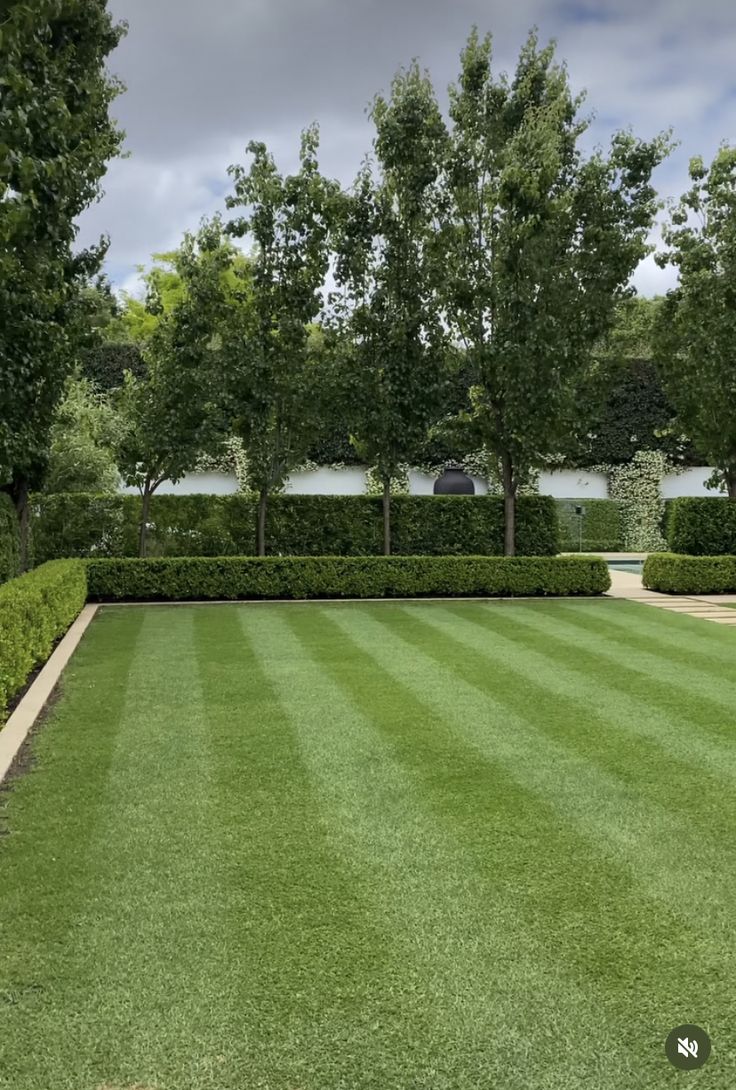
(387,516)
(509,505)
(21,497)
(262,509)
(18,492)
(730,475)
(145,510)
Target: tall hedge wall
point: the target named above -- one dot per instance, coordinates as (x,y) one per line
(702,526)
(80,525)
(601,525)
(9,538)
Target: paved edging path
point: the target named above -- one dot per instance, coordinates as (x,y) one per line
(15,731)
(709,607)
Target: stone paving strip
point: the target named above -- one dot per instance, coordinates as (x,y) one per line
(708,607)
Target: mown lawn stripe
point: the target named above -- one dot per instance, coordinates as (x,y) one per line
(307,961)
(473,678)
(480,976)
(647,970)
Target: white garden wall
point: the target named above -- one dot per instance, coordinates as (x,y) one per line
(574,484)
(351,481)
(691,482)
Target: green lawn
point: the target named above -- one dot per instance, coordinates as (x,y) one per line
(478,846)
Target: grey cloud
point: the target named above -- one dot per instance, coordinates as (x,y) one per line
(205,77)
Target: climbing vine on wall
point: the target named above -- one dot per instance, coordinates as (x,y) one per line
(638,488)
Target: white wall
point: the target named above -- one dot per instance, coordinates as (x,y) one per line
(562,484)
(211,484)
(574,484)
(328,482)
(691,482)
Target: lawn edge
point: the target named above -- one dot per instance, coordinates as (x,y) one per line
(24,716)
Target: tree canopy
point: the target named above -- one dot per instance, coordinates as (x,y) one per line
(695,335)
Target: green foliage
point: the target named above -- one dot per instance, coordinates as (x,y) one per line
(105,364)
(81,526)
(77,524)
(35,611)
(637,488)
(235,578)
(56,138)
(541,244)
(389,269)
(673,573)
(175,413)
(702,526)
(636,416)
(601,525)
(696,329)
(9,539)
(274,372)
(83,437)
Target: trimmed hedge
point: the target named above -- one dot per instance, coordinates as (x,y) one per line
(601,525)
(702,526)
(80,525)
(233,578)
(673,573)
(35,611)
(9,538)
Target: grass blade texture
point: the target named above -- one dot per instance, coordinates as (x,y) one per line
(375,846)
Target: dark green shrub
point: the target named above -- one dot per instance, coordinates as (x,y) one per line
(673,573)
(601,525)
(106,363)
(702,526)
(79,525)
(232,578)
(9,538)
(35,611)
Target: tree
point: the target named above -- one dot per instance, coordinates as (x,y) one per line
(56,138)
(389,272)
(274,380)
(84,435)
(540,246)
(695,335)
(174,414)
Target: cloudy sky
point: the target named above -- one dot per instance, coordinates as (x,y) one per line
(206,76)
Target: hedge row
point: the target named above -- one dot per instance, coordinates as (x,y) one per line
(80,525)
(672,573)
(232,578)
(35,611)
(600,524)
(9,538)
(702,526)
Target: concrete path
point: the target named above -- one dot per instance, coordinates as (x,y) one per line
(709,607)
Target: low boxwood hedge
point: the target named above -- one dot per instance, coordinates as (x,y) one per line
(78,524)
(702,526)
(232,578)
(35,611)
(673,573)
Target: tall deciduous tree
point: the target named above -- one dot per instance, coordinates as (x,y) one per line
(540,249)
(175,412)
(274,378)
(56,137)
(695,333)
(388,267)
